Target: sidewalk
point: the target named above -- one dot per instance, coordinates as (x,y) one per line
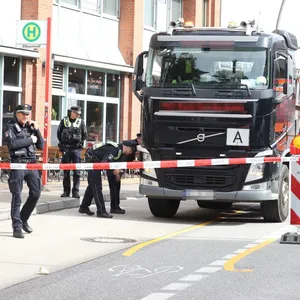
(50,200)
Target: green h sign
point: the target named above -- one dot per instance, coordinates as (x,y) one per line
(31,32)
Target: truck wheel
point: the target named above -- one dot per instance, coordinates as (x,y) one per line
(163,208)
(278,210)
(214,205)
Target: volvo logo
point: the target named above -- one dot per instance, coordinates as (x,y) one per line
(201,137)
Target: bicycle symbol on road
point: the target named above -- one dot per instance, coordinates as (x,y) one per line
(137,271)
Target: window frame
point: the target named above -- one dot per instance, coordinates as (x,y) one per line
(154,25)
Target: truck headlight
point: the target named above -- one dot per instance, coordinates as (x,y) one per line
(147,171)
(255,172)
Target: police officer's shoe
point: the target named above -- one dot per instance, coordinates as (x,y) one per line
(104,215)
(117,210)
(75,195)
(65,195)
(26,227)
(18,234)
(85,210)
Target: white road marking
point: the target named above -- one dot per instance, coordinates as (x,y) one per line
(208,270)
(218,263)
(158,296)
(193,278)
(177,286)
(229,256)
(240,251)
(250,245)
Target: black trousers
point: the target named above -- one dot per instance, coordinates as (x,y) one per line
(15,183)
(71,156)
(114,189)
(94,190)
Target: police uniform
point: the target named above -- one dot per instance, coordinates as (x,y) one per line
(115,185)
(110,152)
(22,146)
(71,134)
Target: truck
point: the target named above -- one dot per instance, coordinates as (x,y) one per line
(217,93)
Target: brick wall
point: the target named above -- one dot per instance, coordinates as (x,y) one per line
(130,44)
(36,10)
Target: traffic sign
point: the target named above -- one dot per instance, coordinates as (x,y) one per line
(31,33)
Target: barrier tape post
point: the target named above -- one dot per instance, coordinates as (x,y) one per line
(294,237)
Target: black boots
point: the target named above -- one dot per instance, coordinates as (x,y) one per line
(18,234)
(104,215)
(26,227)
(85,210)
(117,210)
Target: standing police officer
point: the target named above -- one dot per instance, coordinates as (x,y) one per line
(110,152)
(71,134)
(23,138)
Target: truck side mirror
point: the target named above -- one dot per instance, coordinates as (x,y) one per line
(138,82)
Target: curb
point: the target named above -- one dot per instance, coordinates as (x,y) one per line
(56,205)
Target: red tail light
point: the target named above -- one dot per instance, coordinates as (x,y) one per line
(219,107)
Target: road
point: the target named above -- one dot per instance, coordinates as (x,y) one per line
(200,254)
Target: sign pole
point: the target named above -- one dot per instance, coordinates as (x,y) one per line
(47,96)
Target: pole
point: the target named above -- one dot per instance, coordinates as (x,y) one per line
(47,96)
(280,13)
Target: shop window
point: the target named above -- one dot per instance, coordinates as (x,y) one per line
(56,113)
(73,102)
(112,85)
(110,7)
(94,121)
(95,83)
(111,122)
(90,4)
(10,102)
(176,9)
(149,13)
(11,71)
(76,81)
(72,2)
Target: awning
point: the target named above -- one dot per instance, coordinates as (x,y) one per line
(20,52)
(91,63)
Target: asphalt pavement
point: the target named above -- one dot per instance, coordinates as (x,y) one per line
(199,254)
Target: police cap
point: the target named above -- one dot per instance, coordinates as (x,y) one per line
(76,109)
(24,108)
(130,144)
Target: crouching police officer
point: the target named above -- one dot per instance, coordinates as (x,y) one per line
(114,179)
(110,152)
(23,136)
(71,134)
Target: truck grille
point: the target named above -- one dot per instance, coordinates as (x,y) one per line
(200,181)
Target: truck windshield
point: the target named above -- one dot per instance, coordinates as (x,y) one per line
(207,68)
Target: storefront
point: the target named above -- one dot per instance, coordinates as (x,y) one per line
(96,90)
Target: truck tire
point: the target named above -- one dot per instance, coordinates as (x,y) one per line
(278,210)
(214,205)
(163,208)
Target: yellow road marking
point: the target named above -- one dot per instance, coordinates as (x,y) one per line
(230,264)
(138,247)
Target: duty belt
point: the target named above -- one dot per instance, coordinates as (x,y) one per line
(24,161)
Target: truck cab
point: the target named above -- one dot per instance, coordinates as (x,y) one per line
(217,93)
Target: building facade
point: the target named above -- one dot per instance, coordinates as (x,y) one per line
(94,46)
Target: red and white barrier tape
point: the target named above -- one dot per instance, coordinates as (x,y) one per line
(149,164)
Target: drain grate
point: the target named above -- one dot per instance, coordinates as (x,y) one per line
(108,240)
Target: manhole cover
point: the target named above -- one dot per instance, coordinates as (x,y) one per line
(108,240)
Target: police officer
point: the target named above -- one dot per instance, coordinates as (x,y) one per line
(23,137)
(110,152)
(71,134)
(114,180)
